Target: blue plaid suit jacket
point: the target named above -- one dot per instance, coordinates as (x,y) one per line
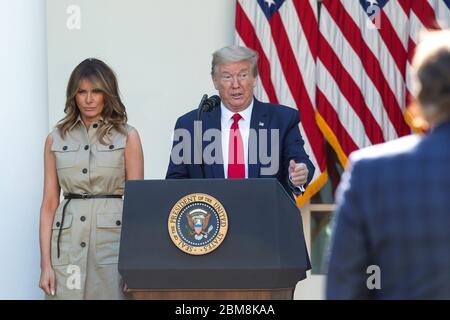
(393,211)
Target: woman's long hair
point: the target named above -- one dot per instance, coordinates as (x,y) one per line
(113,114)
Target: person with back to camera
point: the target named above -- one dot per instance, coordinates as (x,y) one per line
(391,237)
(89,155)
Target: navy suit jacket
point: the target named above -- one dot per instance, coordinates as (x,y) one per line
(393,211)
(264,116)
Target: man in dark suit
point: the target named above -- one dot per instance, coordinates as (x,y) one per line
(243,137)
(391,235)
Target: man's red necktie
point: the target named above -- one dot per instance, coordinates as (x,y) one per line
(236,163)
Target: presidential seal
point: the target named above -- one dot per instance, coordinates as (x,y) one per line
(198,224)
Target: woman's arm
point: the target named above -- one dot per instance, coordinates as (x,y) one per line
(49,205)
(134,157)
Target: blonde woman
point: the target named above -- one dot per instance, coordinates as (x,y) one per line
(89,155)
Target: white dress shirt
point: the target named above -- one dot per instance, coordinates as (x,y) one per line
(244,128)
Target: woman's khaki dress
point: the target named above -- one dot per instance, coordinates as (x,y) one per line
(89,241)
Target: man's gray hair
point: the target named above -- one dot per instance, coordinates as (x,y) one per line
(232,54)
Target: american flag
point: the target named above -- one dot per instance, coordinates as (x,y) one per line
(364,56)
(361,72)
(284,33)
(348,75)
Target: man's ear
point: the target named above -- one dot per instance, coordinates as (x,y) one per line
(416,118)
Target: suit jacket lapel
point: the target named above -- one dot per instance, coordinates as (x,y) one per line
(212,120)
(258,121)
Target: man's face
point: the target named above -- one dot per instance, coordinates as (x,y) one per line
(235,83)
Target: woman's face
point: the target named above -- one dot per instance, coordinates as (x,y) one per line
(90,101)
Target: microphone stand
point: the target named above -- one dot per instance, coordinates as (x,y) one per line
(198,133)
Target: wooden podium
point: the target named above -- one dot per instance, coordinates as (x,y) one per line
(269,294)
(262,256)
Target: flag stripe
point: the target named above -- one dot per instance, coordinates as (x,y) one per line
(341,106)
(294,79)
(300,38)
(269,48)
(372,67)
(425,13)
(349,89)
(390,37)
(354,65)
(370,38)
(297,65)
(308,21)
(349,79)
(442,12)
(245,29)
(259,89)
(280,37)
(447,3)
(405,5)
(327,111)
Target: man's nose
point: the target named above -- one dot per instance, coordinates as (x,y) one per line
(235,83)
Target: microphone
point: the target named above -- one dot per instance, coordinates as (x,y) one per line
(202,101)
(206,104)
(211,103)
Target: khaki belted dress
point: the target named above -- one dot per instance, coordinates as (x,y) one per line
(90,235)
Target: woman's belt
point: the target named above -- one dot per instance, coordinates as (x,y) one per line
(70,196)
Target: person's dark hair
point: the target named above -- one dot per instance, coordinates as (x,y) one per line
(431,66)
(113,114)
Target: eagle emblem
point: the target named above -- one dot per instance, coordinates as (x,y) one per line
(198,221)
(197,224)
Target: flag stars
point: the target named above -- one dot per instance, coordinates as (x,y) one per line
(270,3)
